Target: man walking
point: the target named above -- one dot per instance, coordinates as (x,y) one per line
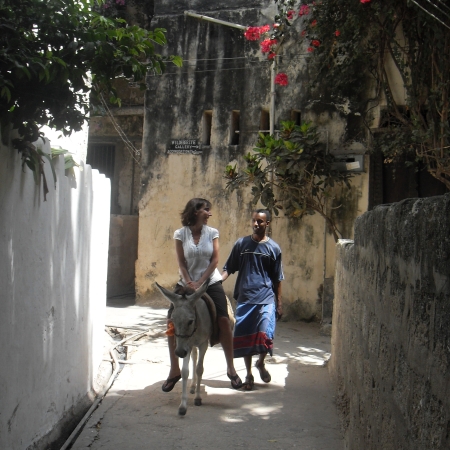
(257,258)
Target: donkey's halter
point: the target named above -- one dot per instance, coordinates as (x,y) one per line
(195,328)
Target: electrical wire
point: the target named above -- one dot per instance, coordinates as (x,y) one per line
(437,7)
(128,144)
(443,4)
(430,14)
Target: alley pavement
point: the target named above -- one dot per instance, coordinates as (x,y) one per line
(295,410)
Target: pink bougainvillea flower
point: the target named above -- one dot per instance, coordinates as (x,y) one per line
(276,25)
(365,1)
(281,79)
(310,49)
(337,33)
(267,44)
(264,29)
(290,14)
(252,33)
(315,42)
(271,55)
(303,33)
(304,10)
(314,23)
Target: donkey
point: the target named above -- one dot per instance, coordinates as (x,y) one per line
(193,328)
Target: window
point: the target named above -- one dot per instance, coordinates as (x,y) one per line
(206,127)
(264,123)
(296,117)
(102,158)
(234,128)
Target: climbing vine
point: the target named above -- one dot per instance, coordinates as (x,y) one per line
(357,47)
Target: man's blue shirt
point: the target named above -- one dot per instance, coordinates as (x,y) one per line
(259,266)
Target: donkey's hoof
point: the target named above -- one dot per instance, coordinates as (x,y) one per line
(192,390)
(182,411)
(198,402)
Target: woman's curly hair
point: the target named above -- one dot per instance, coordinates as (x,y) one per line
(188,216)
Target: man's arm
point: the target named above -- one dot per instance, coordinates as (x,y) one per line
(230,265)
(278,302)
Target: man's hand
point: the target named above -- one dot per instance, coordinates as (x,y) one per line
(279,311)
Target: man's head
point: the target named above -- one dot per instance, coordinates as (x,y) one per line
(260,222)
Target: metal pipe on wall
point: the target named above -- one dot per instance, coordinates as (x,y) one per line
(211,19)
(272,98)
(324,245)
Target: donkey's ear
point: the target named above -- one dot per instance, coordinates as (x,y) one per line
(171,296)
(199,292)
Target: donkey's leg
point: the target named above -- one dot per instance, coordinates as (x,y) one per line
(194,356)
(184,375)
(202,350)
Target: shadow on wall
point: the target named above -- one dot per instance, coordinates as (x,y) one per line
(300,310)
(53,288)
(122,255)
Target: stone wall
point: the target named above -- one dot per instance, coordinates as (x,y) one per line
(391,327)
(53,263)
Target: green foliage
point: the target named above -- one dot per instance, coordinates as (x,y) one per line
(51,49)
(293,173)
(54,54)
(353,43)
(34,158)
(69,162)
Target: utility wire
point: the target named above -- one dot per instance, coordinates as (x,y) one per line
(443,4)
(430,14)
(128,144)
(437,7)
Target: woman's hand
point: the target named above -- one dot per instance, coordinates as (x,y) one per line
(193,284)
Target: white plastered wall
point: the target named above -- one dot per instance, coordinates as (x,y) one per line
(53,266)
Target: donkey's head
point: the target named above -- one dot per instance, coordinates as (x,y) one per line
(184,316)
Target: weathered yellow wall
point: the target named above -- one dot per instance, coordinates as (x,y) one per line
(181,177)
(220,80)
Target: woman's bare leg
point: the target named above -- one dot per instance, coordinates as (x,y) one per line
(226,340)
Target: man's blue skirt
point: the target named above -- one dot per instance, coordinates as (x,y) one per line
(254,329)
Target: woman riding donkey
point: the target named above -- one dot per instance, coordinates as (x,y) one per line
(197,249)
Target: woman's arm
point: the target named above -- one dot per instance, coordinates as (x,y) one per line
(182,261)
(210,269)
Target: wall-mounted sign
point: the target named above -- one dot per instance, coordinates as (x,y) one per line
(184,146)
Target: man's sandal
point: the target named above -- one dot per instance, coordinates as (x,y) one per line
(249,383)
(170,383)
(236,382)
(263,373)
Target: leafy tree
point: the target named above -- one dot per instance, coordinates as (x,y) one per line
(54,53)
(293,173)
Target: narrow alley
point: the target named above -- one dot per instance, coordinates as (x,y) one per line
(295,410)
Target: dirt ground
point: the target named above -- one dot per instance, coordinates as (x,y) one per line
(295,410)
